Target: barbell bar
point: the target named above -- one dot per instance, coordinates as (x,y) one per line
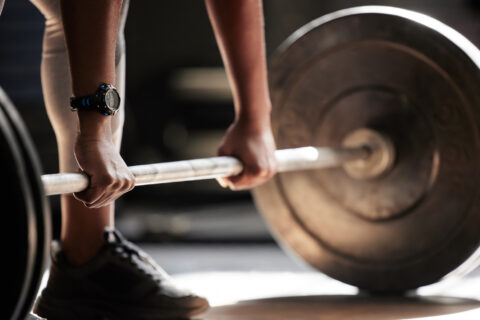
(210,168)
(293,159)
(365,153)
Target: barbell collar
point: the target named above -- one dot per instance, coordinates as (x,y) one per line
(304,158)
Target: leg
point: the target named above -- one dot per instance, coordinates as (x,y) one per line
(82,228)
(121,281)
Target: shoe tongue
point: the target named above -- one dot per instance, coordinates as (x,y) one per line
(112,235)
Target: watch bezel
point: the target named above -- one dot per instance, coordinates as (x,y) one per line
(117,98)
(104,89)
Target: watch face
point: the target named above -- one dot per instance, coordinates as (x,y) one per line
(112,99)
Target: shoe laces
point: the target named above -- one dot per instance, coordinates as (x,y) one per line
(133,254)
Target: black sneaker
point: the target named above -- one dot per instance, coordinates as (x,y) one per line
(120,282)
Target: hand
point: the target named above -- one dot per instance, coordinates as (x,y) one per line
(109,175)
(255,148)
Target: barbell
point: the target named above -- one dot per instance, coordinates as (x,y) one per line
(388,101)
(364,154)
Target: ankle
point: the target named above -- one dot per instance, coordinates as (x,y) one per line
(78,255)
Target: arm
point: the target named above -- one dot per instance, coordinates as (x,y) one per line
(238,27)
(91,32)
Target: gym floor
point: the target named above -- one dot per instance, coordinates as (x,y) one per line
(257,280)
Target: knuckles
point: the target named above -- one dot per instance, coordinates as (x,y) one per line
(260,170)
(117,182)
(106,188)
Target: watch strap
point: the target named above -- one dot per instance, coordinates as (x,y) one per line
(83,103)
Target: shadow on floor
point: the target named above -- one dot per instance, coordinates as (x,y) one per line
(343,307)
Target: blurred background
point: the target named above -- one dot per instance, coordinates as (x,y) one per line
(178,105)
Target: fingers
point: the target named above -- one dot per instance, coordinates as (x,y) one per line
(105,189)
(223,182)
(117,189)
(257,154)
(253,174)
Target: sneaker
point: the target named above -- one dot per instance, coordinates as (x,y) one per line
(120,282)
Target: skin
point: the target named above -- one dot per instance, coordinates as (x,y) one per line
(238,27)
(90,32)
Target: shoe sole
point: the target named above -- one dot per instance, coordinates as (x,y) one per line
(61,309)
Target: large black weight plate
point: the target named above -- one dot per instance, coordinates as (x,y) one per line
(41,208)
(40,239)
(19,234)
(413,79)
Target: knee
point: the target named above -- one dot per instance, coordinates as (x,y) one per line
(49,8)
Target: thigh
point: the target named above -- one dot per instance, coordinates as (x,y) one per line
(51,10)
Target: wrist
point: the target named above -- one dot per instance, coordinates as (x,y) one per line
(254,122)
(94,125)
(255,118)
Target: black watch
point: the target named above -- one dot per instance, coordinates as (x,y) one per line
(105,100)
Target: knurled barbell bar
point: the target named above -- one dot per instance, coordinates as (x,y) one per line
(393,96)
(365,154)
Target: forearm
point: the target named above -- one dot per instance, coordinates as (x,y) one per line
(91,28)
(239,30)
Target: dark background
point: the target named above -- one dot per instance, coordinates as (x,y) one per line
(166,121)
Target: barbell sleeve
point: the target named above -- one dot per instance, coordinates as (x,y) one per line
(209,168)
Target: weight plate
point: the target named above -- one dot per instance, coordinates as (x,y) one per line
(413,79)
(20,237)
(40,204)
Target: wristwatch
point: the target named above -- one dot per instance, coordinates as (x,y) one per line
(105,100)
